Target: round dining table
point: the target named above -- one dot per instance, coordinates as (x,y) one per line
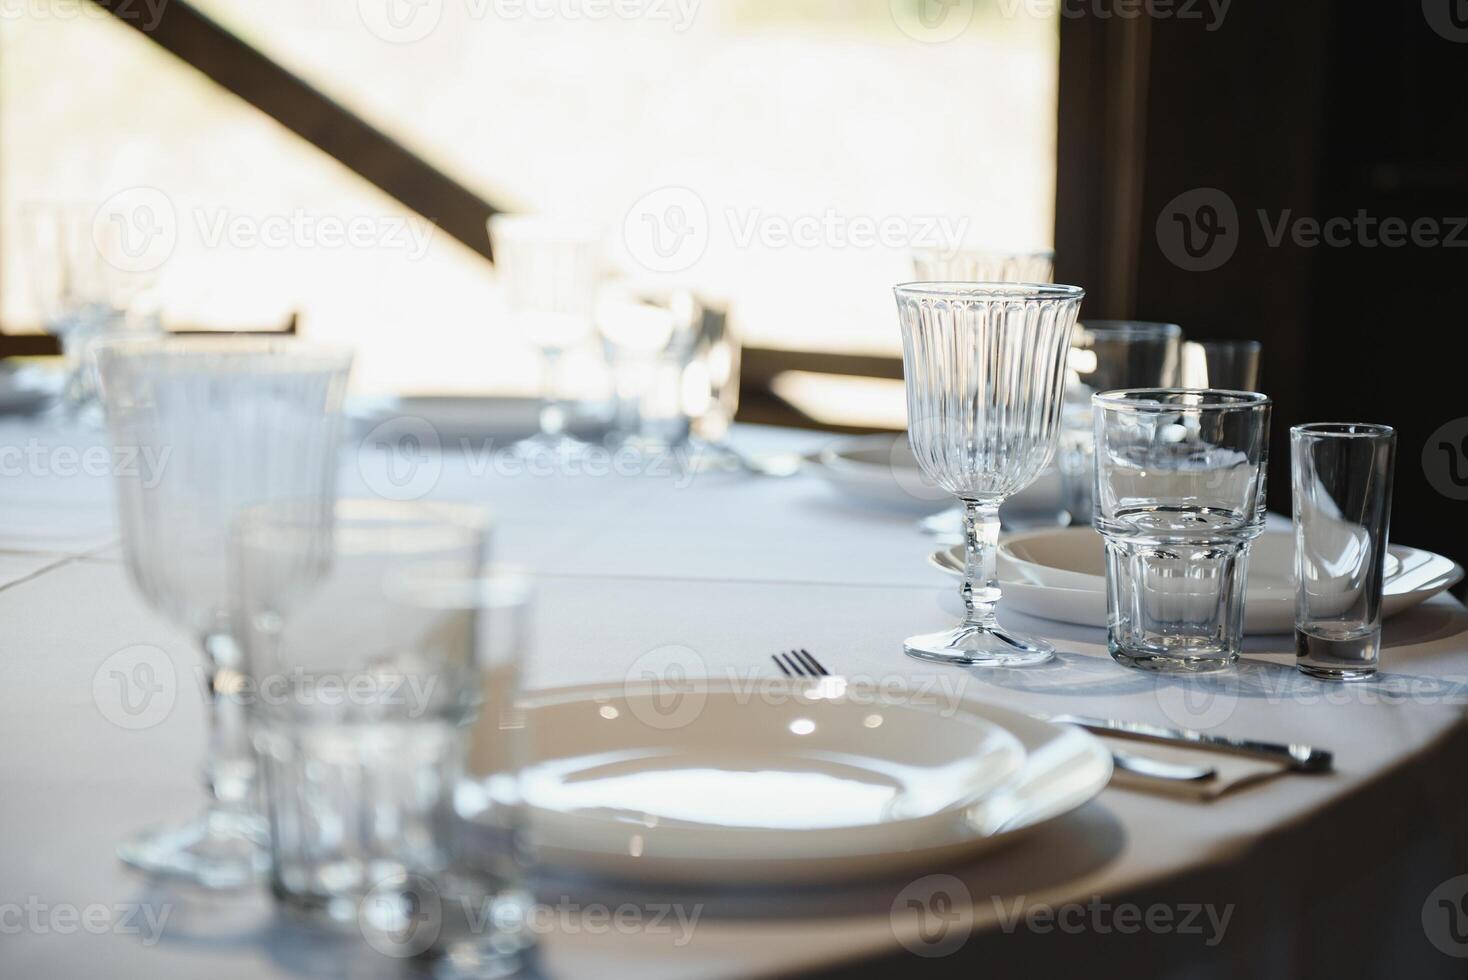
(1360,871)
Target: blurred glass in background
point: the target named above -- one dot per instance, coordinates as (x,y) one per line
(740,150)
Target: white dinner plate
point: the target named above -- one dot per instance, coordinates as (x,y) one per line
(1061,574)
(881,470)
(788,781)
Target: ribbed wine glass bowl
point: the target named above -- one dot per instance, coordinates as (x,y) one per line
(985,370)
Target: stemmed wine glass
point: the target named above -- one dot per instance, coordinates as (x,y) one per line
(964,264)
(225,424)
(549,269)
(985,371)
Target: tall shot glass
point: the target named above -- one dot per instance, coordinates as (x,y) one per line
(1179,499)
(1342,481)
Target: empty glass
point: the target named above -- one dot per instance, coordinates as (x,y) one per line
(1223,365)
(217,425)
(1342,476)
(83,287)
(549,270)
(359,695)
(985,373)
(1179,499)
(1106,355)
(975,265)
(982,265)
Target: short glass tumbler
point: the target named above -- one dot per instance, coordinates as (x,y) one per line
(984,365)
(1179,499)
(359,697)
(1342,481)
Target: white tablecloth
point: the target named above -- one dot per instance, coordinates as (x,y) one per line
(1316,875)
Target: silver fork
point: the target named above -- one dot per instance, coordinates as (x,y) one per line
(799,663)
(802,663)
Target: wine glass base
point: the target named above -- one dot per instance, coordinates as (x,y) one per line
(978,646)
(217,851)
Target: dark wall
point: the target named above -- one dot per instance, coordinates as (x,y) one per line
(1316,110)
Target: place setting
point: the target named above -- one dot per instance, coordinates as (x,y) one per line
(352,638)
(663,491)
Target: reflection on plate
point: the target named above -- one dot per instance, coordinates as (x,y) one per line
(789,781)
(1061,574)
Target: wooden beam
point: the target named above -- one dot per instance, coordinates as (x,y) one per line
(229,62)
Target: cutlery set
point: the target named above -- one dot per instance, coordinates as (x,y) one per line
(1295,758)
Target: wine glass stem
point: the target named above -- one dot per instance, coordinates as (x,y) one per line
(552,413)
(229,770)
(980,590)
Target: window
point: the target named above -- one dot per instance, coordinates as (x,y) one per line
(782,155)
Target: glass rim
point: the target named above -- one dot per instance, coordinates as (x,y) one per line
(1342,430)
(1254,346)
(226,346)
(989,290)
(1152,400)
(1132,328)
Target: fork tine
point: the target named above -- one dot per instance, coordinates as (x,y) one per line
(815,665)
(781,664)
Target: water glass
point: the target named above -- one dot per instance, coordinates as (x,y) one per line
(1179,499)
(84,287)
(215,425)
(985,372)
(1224,365)
(359,695)
(1106,355)
(1342,481)
(549,271)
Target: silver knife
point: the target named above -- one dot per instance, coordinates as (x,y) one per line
(1300,758)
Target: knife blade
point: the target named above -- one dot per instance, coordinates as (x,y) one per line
(1299,758)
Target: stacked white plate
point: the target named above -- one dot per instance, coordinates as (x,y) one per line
(882,472)
(789,781)
(1061,574)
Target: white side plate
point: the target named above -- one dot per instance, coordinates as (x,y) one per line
(881,471)
(1061,574)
